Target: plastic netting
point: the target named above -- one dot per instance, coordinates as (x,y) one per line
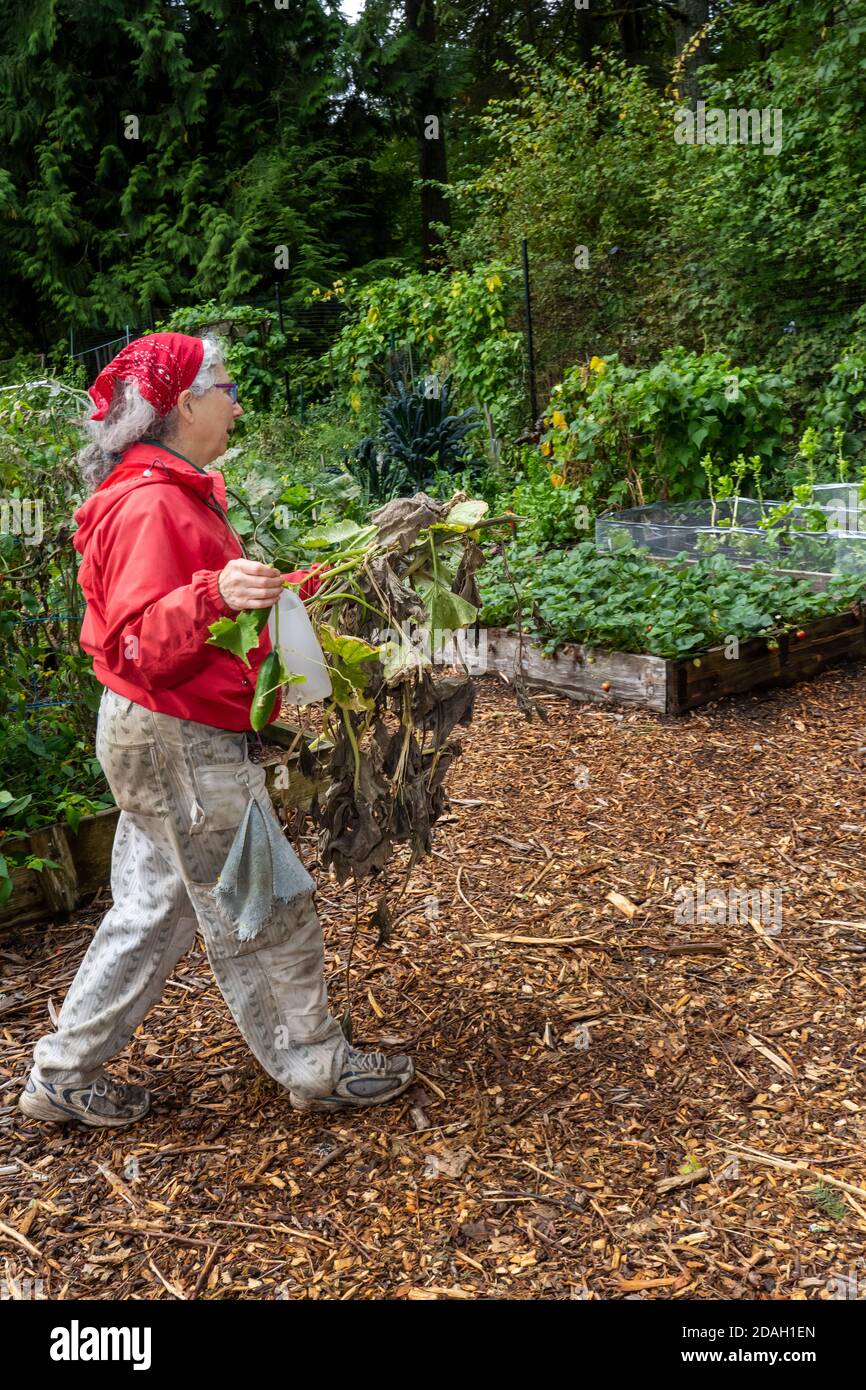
(732,528)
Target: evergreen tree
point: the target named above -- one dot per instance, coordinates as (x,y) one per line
(158,153)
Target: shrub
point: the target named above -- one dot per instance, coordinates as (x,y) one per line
(643,431)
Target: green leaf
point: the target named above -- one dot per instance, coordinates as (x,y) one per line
(345,693)
(336,534)
(445,611)
(238,635)
(466,514)
(295,495)
(347,649)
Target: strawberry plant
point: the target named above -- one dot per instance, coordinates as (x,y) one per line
(626,602)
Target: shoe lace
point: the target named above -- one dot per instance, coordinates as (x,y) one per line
(96,1091)
(366,1061)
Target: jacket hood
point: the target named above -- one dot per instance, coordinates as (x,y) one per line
(144,465)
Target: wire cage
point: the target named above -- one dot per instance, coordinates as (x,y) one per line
(732,528)
(843,504)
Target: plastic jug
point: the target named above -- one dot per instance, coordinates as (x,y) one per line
(300,650)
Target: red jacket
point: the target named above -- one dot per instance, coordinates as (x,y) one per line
(153,538)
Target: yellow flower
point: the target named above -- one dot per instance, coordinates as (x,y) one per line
(355,401)
(493,283)
(557,479)
(559,421)
(596,365)
(372,314)
(429,337)
(356,376)
(547,448)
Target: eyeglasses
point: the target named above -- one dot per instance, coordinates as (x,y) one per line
(231,387)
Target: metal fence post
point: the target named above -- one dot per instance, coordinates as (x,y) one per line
(530,346)
(282,330)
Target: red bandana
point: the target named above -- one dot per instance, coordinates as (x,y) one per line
(163,364)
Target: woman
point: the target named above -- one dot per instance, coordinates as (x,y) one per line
(160,563)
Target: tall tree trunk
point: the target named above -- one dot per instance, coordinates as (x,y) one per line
(429,125)
(632,31)
(692,16)
(589,29)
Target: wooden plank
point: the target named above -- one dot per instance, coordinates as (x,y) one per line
(711,676)
(59,886)
(580,672)
(91,847)
(26,903)
(830,639)
(717,675)
(674,686)
(288,786)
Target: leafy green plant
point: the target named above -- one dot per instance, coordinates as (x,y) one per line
(419,430)
(722,486)
(388,718)
(48,695)
(653,427)
(551,512)
(381,476)
(626,602)
(418,439)
(448,324)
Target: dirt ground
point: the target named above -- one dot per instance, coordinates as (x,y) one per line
(612,1102)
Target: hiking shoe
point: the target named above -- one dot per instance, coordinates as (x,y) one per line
(368,1078)
(103,1102)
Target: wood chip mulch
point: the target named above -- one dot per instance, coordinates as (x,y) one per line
(611,1103)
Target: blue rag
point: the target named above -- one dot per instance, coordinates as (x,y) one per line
(261,872)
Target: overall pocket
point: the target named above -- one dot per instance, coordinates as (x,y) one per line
(220,932)
(224,797)
(223,791)
(133,772)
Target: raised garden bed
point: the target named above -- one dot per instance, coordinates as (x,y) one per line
(673,685)
(85,855)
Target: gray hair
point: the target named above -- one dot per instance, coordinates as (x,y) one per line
(131,418)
